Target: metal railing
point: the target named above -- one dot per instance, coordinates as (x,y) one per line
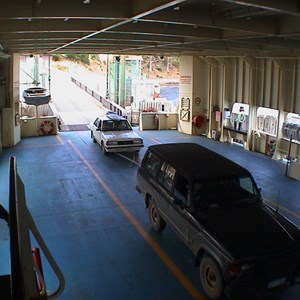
(108,104)
(27,281)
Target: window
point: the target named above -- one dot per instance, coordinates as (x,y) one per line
(291,127)
(97,122)
(246,184)
(123,125)
(107,126)
(168,177)
(224,192)
(181,190)
(152,164)
(162,172)
(267,120)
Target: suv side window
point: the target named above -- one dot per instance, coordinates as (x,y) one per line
(246,184)
(181,190)
(152,164)
(168,177)
(161,172)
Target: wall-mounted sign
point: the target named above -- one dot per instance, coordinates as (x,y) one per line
(240,108)
(184,115)
(185,103)
(185,79)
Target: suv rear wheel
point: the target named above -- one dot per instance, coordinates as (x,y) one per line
(211,278)
(156,221)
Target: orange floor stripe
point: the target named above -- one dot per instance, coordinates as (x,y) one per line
(169,263)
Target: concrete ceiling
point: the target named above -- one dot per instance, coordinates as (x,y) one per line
(256,28)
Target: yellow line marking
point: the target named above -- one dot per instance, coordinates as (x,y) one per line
(155,140)
(59,139)
(156,248)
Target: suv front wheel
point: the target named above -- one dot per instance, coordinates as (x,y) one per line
(156,221)
(211,278)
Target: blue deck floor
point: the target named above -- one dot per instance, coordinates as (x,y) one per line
(95,223)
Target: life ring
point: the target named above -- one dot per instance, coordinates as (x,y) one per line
(47,127)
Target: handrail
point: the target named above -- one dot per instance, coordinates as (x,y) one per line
(48,255)
(17,284)
(40,278)
(21,223)
(110,105)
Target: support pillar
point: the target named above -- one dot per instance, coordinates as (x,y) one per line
(10,114)
(194,96)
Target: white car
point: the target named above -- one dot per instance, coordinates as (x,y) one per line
(114,134)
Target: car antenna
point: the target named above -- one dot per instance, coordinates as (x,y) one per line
(277,202)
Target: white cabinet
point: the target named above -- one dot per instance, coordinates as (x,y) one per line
(294,170)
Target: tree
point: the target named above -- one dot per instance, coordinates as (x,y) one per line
(150,60)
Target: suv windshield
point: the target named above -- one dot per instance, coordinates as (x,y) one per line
(110,125)
(224,192)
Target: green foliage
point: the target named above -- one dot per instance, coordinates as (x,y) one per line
(81,58)
(151,64)
(56,57)
(95,57)
(175,62)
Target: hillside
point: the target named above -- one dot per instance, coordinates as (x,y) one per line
(158,69)
(152,68)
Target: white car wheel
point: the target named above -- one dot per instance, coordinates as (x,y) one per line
(103,149)
(92,136)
